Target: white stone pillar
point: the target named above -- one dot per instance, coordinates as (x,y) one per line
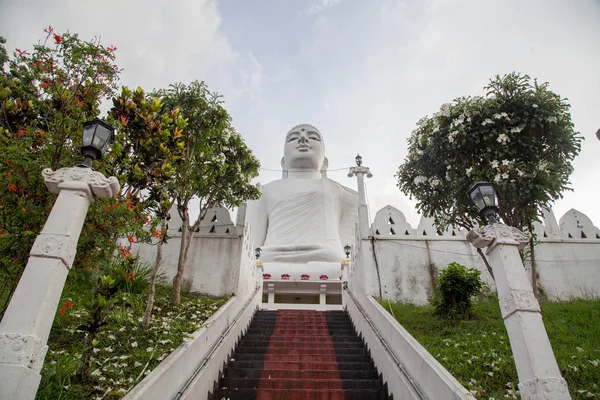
(539,375)
(363,213)
(26,325)
(323,295)
(271,293)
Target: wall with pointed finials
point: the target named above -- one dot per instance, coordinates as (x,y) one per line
(404,261)
(567,256)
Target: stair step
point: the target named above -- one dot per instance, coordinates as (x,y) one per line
(300,357)
(294,350)
(232,372)
(311,383)
(294,394)
(301,366)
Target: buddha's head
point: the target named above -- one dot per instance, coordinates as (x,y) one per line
(304,149)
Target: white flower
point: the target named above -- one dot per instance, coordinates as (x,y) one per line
(503,138)
(137,364)
(504,162)
(579,349)
(445,110)
(595,363)
(516,129)
(542,166)
(452,136)
(497,178)
(469,171)
(111,337)
(149,349)
(133,344)
(108,349)
(495,164)
(487,121)
(505,175)
(534,105)
(520,173)
(552,119)
(435,182)
(420,179)
(96,372)
(497,115)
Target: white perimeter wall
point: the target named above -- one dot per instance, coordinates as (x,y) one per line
(567,256)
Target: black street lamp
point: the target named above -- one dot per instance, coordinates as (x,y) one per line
(257,252)
(358,160)
(97,135)
(485,198)
(347,249)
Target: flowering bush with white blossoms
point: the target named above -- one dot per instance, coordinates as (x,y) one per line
(519,136)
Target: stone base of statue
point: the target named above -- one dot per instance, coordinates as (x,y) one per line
(315,285)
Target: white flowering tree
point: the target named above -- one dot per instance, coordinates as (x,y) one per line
(519,136)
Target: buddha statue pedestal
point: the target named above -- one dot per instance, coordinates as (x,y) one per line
(315,285)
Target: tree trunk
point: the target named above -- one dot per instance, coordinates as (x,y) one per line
(186,236)
(533,264)
(158,261)
(376,267)
(487,264)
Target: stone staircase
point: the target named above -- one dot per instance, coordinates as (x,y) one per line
(300,355)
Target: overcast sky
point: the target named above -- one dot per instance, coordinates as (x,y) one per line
(362,72)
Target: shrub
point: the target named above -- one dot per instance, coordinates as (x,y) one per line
(454,288)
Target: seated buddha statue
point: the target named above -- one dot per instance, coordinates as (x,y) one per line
(304,216)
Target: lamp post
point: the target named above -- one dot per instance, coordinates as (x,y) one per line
(363,216)
(25,328)
(347,249)
(539,375)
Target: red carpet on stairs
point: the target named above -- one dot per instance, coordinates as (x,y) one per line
(300,355)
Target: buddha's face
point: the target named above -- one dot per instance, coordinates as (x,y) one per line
(304,148)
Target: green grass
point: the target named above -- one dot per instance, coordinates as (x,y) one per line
(125,352)
(477,352)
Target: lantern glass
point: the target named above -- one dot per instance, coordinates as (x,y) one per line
(97,136)
(347,249)
(483,195)
(358,160)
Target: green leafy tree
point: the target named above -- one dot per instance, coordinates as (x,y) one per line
(455,288)
(217,165)
(519,136)
(153,148)
(45,96)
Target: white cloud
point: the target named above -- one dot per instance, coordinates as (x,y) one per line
(159,41)
(316,6)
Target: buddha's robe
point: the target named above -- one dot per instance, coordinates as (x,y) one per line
(303,220)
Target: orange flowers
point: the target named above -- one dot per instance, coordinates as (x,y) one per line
(156,233)
(124,250)
(57,38)
(131,239)
(21,132)
(12,188)
(66,304)
(124,120)
(129,276)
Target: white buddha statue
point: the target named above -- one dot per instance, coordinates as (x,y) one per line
(304,217)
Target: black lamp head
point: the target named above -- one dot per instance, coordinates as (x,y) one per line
(485,198)
(358,160)
(97,136)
